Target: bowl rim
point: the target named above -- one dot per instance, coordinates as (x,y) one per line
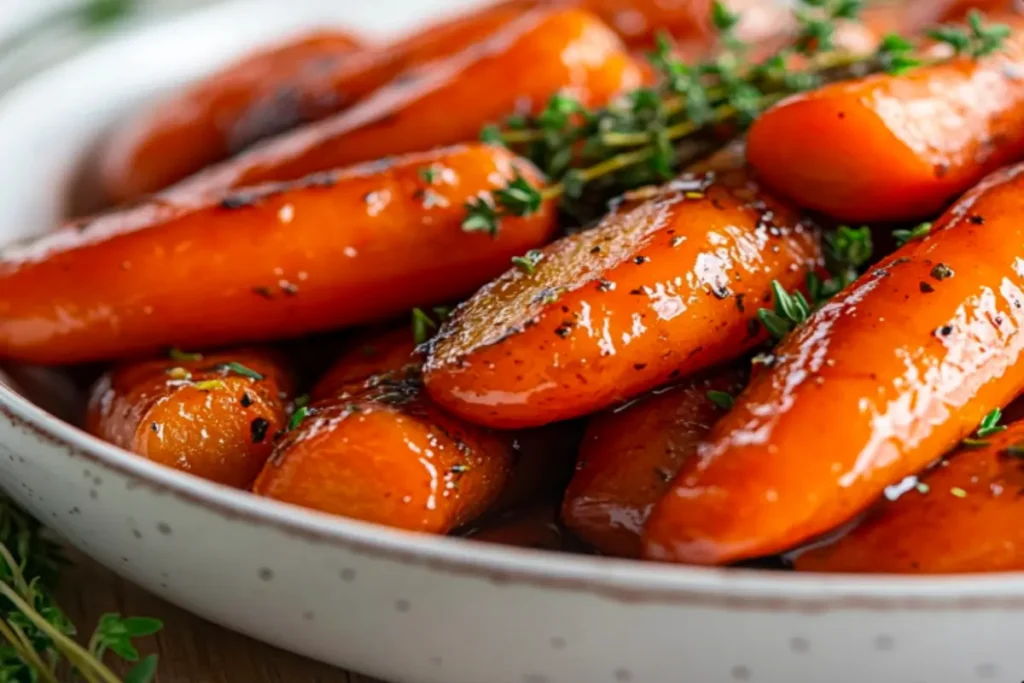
(622,580)
(629,581)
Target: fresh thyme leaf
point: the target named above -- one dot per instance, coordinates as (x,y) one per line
(977,40)
(904,236)
(143,672)
(722,399)
(183,356)
(239,369)
(790,310)
(528,263)
(428,174)
(423,326)
(722,17)
(895,54)
(481,216)
(298,417)
(990,424)
(519,197)
(492,134)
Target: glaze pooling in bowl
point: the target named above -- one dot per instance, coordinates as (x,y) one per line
(408,607)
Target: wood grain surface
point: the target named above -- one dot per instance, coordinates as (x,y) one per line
(191,650)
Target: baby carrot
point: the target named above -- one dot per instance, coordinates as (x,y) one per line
(445,102)
(667,286)
(212,415)
(380,451)
(272,261)
(631,454)
(963,516)
(878,383)
(895,147)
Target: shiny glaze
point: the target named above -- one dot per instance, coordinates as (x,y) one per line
(667,286)
(895,147)
(531,527)
(267,262)
(195,415)
(964,516)
(446,102)
(630,455)
(378,449)
(372,353)
(881,381)
(267,94)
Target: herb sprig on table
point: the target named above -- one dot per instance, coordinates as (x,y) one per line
(37,640)
(651,133)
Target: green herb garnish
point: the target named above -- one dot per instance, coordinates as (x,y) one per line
(976,40)
(300,414)
(239,369)
(183,356)
(528,263)
(790,310)
(990,424)
(722,399)
(904,236)
(38,643)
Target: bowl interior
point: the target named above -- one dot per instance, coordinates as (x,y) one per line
(49,122)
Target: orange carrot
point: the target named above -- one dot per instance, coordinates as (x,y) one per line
(631,454)
(881,381)
(526,62)
(895,147)
(532,527)
(667,286)
(379,450)
(963,516)
(214,415)
(273,261)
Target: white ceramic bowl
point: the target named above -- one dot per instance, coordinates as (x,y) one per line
(408,607)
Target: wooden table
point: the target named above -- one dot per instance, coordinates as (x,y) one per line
(191,650)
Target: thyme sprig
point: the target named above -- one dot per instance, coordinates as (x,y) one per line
(37,640)
(651,133)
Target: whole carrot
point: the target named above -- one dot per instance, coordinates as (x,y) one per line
(212,415)
(270,93)
(630,455)
(962,516)
(525,62)
(878,383)
(377,449)
(890,148)
(272,261)
(667,286)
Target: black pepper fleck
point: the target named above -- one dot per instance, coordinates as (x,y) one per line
(258,428)
(942,272)
(640,260)
(926,288)
(246,399)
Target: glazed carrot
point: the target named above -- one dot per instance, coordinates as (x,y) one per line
(371,354)
(532,527)
(214,416)
(270,93)
(273,261)
(445,102)
(881,381)
(542,458)
(630,455)
(667,286)
(895,147)
(380,451)
(265,93)
(963,516)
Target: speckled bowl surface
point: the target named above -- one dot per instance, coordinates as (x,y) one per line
(409,607)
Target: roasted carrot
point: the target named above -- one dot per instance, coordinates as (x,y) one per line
(881,381)
(630,455)
(380,451)
(531,527)
(270,93)
(265,93)
(370,354)
(272,261)
(963,516)
(891,147)
(212,415)
(666,286)
(532,58)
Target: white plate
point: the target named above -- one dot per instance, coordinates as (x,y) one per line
(408,607)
